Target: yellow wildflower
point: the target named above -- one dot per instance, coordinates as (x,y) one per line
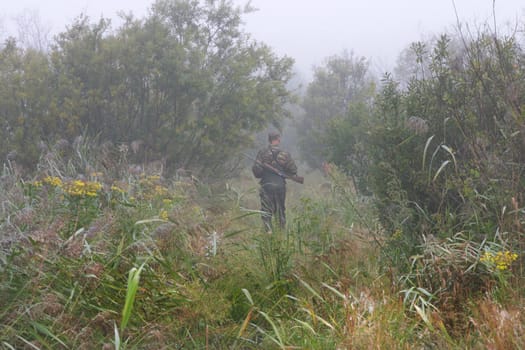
(117,189)
(53,181)
(160,190)
(93,186)
(501,260)
(163,215)
(81,188)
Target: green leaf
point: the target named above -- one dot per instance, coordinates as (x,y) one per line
(248,296)
(427,144)
(133,285)
(443,165)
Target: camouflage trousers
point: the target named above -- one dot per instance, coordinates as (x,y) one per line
(272,206)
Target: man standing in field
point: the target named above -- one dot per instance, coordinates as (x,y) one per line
(272,166)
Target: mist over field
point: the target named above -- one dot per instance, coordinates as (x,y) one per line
(134,215)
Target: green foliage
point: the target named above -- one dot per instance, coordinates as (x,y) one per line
(275,253)
(83,277)
(24,111)
(450,272)
(440,153)
(208,279)
(131,292)
(312,226)
(185,84)
(346,139)
(340,88)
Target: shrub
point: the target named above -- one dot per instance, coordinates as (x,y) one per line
(450,272)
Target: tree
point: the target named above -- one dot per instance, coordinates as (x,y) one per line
(223,87)
(32,32)
(186,81)
(24,103)
(340,85)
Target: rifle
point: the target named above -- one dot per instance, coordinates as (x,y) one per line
(296,178)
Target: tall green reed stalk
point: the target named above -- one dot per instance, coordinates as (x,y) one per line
(131,292)
(133,285)
(275,252)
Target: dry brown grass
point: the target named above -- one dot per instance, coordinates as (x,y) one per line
(496,327)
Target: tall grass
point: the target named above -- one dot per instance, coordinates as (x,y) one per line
(161,264)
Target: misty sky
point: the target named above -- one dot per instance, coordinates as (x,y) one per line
(308,30)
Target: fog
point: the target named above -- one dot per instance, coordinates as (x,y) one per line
(308,31)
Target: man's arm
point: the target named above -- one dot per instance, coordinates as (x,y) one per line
(257,168)
(287,163)
(289,167)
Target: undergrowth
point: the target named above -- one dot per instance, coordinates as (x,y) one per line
(144,262)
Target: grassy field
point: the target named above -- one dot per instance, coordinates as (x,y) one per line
(146,262)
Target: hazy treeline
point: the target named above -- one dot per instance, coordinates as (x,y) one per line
(184,84)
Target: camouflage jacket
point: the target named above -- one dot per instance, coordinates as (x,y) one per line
(277,158)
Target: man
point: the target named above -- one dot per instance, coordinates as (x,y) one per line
(273,183)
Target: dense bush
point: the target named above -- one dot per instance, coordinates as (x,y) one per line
(444,152)
(184,85)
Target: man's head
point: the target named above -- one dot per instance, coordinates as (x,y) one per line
(274,137)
